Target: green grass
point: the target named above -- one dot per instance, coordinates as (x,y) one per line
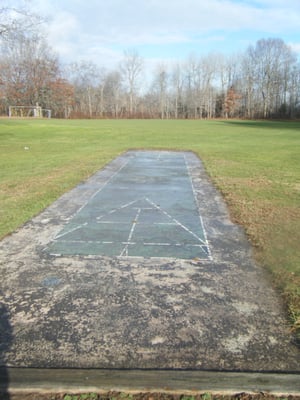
(255,164)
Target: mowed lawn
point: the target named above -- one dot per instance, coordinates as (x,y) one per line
(255,164)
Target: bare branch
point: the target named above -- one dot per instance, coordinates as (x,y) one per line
(17,20)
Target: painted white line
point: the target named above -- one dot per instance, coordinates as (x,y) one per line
(128,204)
(70,231)
(197,205)
(112,222)
(125,250)
(205,236)
(164,223)
(201,246)
(132,243)
(118,209)
(101,188)
(86,241)
(142,208)
(134,224)
(157,244)
(176,221)
(153,207)
(165,258)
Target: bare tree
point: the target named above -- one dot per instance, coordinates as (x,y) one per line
(16,18)
(160,88)
(294,108)
(209,73)
(28,68)
(226,76)
(113,97)
(86,78)
(177,87)
(193,98)
(249,86)
(270,64)
(264,82)
(131,68)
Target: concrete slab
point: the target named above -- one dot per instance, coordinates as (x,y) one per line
(132,310)
(24,381)
(146,208)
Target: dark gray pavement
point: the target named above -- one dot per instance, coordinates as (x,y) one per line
(147,208)
(91,308)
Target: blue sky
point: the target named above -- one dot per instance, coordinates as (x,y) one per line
(164,31)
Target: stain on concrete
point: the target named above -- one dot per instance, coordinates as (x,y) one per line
(94,311)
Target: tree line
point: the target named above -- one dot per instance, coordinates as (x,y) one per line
(261,82)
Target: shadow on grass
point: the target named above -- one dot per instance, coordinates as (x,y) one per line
(292,125)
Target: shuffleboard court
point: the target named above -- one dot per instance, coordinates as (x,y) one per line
(140,267)
(147,208)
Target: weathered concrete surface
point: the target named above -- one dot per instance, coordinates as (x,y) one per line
(147,208)
(109,312)
(28,380)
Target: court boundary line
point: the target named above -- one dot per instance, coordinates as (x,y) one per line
(198,207)
(124,253)
(100,189)
(205,247)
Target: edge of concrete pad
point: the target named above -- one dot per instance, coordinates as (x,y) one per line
(33,380)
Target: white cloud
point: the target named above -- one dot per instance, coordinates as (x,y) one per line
(295,47)
(62,33)
(102,28)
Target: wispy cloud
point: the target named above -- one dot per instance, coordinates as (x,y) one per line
(62,33)
(101,28)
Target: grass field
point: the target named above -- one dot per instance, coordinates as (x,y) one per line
(255,164)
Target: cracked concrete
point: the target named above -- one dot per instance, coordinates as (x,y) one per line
(93,311)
